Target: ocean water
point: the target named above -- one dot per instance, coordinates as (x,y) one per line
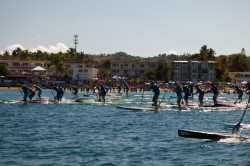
(101,134)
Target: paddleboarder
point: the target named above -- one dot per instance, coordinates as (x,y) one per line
(31,94)
(201,94)
(191,89)
(248,90)
(156,91)
(39,89)
(102,93)
(25,93)
(239,91)
(214,89)
(178,91)
(119,89)
(127,88)
(186,92)
(59,94)
(75,91)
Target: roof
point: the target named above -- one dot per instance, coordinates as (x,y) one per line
(17,75)
(38,68)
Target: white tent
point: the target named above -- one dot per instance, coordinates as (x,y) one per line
(244,82)
(116,77)
(38,68)
(124,78)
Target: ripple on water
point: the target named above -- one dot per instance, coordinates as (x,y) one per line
(98,134)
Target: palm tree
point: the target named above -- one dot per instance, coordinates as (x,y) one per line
(6,55)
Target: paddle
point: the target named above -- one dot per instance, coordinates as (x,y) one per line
(235,101)
(20,91)
(236,128)
(142,96)
(162,98)
(53,94)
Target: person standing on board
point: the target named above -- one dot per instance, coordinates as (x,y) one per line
(191,89)
(178,91)
(75,93)
(25,93)
(102,93)
(127,88)
(201,94)
(31,94)
(40,91)
(119,89)
(59,94)
(248,90)
(186,92)
(156,91)
(215,91)
(239,91)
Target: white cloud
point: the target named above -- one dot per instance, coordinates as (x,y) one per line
(173,52)
(14,46)
(59,47)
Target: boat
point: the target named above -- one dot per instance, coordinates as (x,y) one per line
(208,135)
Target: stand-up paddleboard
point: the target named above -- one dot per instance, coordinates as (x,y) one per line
(216,105)
(85,100)
(8,102)
(208,135)
(134,108)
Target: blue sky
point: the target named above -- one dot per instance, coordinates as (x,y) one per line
(142,28)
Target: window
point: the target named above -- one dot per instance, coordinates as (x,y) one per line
(194,70)
(71,72)
(80,70)
(39,64)
(16,64)
(86,70)
(203,70)
(25,65)
(87,66)
(79,66)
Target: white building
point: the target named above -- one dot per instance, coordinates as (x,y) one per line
(194,71)
(78,71)
(81,71)
(239,77)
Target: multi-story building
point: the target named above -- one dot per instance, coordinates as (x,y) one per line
(18,66)
(78,71)
(239,77)
(132,69)
(194,71)
(81,71)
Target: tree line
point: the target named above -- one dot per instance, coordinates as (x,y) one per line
(237,62)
